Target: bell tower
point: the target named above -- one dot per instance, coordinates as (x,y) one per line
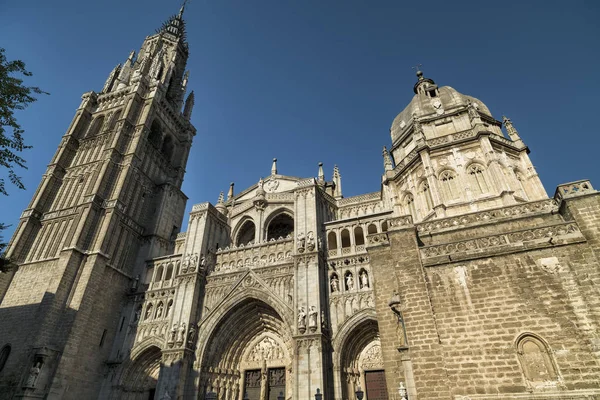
(109,199)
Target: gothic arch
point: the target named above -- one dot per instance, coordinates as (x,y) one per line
(230,340)
(155,134)
(356,337)
(282,217)
(245,232)
(139,376)
(478,178)
(536,360)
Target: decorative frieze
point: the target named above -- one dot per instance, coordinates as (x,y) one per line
(254,256)
(489,216)
(491,242)
(573,189)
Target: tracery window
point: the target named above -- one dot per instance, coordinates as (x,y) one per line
(96,126)
(280,226)
(448,183)
(536,359)
(159,274)
(426,195)
(477,179)
(167,147)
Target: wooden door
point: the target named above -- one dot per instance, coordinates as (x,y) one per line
(252,384)
(276,383)
(376,388)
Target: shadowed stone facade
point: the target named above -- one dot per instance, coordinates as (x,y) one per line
(459,279)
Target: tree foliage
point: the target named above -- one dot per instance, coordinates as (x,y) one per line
(14,95)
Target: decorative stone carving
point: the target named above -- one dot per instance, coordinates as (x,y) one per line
(181,333)
(34,373)
(265,350)
(302,320)
(364,279)
(272,185)
(335,283)
(313,316)
(301,242)
(349,281)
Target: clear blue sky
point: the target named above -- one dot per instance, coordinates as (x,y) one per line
(309,81)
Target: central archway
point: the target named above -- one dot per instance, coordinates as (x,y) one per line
(249,351)
(139,378)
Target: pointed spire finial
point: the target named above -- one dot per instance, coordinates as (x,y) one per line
(274,167)
(417,68)
(182,9)
(387,160)
(221,199)
(321,176)
(337,180)
(510,130)
(189,105)
(230,193)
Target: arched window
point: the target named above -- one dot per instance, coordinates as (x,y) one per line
(359,237)
(4,353)
(155,135)
(536,359)
(372,229)
(477,179)
(345,238)
(167,147)
(159,274)
(384,226)
(169,274)
(331,241)
(426,195)
(280,226)
(96,126)
(246,233)
(409,205)
(114,119)
(448,182)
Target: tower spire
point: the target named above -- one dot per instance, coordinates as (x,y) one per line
(510,129)
(321,176)
(274,167)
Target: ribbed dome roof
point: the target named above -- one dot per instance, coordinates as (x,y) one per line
(422,106)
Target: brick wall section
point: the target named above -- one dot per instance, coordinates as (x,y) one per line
(505,296)
(397,267)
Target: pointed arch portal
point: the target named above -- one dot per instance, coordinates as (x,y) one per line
(248,352)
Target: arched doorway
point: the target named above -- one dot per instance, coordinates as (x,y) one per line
(248,352)
(139,378)
(361,363)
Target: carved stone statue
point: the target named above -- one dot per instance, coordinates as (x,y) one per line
(323,320)
(301,242)
(173,333)
(335,284)
(349,282)
(302,318)
(159,310)
(34,372)
(313,315)
(192,334)
(148,312)
(364,279)
(138,314)
(193,262)
(310,241)
(182,330)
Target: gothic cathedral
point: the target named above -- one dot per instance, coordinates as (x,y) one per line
(460,279)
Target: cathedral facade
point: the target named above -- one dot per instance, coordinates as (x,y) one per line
(459,279)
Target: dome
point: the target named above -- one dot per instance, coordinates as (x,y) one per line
(422,106)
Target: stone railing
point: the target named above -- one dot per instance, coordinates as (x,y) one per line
(200,207)
(573,189)
(254,256)
(482,244)
(344,251)
(489,216)
(359,199)
(399,222)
